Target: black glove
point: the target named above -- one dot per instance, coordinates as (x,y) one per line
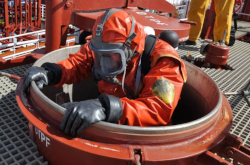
(81,115)
(47,74)
(37,74)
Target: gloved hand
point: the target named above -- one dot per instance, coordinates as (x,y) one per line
(81,115)
(37,74)
(47,74)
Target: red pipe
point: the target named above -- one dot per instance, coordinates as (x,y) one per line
(10,75)
(39,14)
(6,18)
(21,17)
(35,9)
(26,15)
(15,14)
(30,13)
(53,24)
(6,13)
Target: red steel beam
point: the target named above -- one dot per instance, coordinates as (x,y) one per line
(239,155)
(21,17)
(39,19)
(16,20)
(35,9)
(30,13)
(6,18)
(26,14)
(209,158)
(16,13)
(6,13)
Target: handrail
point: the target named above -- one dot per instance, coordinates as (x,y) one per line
(19,54)
(24,34)
(14,45)
(22,43)
(25,43)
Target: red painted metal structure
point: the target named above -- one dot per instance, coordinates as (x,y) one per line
(59,14)
(183,143)
(245,10)
(106,143)
(19,16)
(217,54)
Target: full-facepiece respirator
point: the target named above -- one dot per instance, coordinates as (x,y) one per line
(110,59)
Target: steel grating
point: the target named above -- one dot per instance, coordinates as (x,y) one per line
(17,148)
(15,145)
(231,81)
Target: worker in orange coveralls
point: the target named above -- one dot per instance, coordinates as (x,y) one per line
(113,56)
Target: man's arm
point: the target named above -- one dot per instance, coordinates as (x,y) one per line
(77,67)
(73,69)
(158,98)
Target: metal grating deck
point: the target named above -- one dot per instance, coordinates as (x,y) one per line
(15,145)
(17,148)
(231,81)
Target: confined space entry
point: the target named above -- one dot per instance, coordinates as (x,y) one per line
(164,90)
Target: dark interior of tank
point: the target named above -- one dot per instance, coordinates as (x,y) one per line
(191,105)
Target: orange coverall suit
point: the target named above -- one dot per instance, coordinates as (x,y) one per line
(159,90)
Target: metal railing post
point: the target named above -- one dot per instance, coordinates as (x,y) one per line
(14,48)
(42,11)
(37,44)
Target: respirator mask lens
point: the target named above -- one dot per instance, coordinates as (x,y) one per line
(109,62)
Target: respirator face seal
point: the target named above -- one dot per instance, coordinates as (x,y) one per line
(110,58)
(109,62)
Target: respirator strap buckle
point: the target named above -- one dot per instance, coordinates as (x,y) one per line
(129,40)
